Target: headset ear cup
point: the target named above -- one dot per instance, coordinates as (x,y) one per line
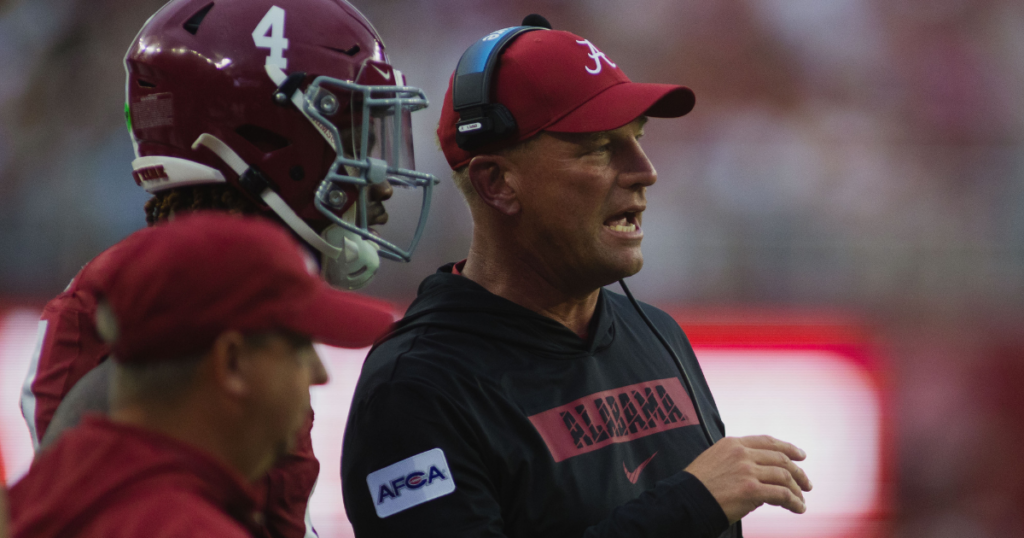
(503,122)
(495,123)
(469,141)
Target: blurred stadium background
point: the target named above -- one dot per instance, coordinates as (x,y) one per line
(839,224)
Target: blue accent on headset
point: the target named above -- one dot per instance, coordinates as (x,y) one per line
(481,121)
(474,60)
(480,59)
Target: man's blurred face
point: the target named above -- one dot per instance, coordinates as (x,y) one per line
(582,197)
(285,367)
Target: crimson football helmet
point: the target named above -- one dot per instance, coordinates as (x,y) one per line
(291,101)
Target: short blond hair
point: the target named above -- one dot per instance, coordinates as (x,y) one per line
(460,177)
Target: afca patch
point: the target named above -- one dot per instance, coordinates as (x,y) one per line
(414,480)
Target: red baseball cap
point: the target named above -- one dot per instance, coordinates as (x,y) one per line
(175,287)
(557,81)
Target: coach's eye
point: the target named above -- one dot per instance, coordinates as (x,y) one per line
(601,148)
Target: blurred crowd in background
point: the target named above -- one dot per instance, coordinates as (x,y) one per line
(865,156)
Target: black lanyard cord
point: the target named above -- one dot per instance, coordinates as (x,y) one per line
(679,363)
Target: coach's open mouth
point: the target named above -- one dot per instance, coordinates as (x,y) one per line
(623,222)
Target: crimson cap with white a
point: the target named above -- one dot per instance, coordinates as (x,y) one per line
(552,80)
(174,288)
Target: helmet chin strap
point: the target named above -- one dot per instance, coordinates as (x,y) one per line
(350,264)
(356,272)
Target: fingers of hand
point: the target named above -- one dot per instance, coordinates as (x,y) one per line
(778,476)
(767,442)
(781,460)
(782,496)
(743,473)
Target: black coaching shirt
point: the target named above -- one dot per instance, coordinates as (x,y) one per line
(477,417)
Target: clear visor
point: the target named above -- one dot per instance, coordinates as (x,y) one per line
(386,132)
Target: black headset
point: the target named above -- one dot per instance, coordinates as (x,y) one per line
(481,121)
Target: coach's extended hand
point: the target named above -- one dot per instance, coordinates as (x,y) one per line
(742,473)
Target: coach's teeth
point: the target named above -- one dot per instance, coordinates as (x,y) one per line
(622,223)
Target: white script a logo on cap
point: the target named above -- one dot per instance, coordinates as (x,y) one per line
(595,55)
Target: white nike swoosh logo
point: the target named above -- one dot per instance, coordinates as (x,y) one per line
(385,74)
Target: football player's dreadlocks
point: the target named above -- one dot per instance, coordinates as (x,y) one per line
(221,197)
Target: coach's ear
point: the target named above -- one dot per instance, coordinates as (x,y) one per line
(228,363)
(493,178)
